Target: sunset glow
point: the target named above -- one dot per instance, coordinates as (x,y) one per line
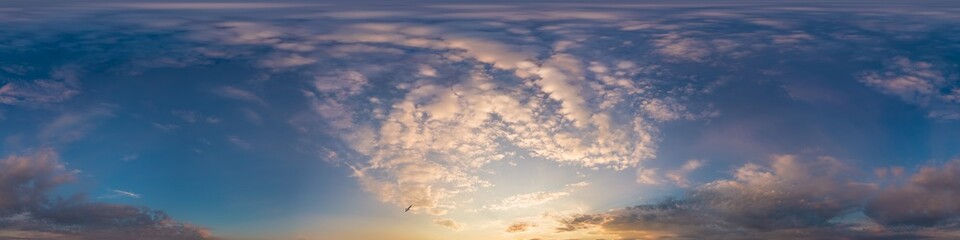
(479,120)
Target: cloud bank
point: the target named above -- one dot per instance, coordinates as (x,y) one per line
(792,198)
(27,210)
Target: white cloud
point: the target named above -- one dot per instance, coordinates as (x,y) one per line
(239,142)
(792,38)
(213,120)
(62,84)
(652,176)
(676,46)
(427,71)
(243,33)
(187,115)
(287,61)
(337,115)
(428,144)
(456,122)
(912,81)
(239,94)
(74,125)
(129,157)
(558,77)
(350,82)
(679,176)
(917,82)
(526,200)
(647,176)
(251,115)
(662,111)
(120,194)
(166,127)
(448,223)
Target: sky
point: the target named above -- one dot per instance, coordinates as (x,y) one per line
(488,119)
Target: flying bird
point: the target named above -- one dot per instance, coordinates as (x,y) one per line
(408,208)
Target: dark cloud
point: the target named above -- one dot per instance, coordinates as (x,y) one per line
(793,199)
(929,198)
(28,212)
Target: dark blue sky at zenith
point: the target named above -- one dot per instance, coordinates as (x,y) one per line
(495,120)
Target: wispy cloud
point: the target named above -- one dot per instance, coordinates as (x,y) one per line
(187,115)
(62,84)
(166,127)
(448,223)
(519,227)
(120,194)
(239,142)
(129,157)
(533,199)
(204,6)
(917,82)
(74,125)
(239,94)
(677,176)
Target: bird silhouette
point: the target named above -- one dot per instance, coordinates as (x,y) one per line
(408,208)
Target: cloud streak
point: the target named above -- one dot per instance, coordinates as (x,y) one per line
(120,194)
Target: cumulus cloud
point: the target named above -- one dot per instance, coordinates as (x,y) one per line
(678,176)
(665,110)
(462,123)
(928,198)
(346,82)
(912,81)
(676,46)
(454,128)
(647,176)
(514,92)
(759,202)
(918,82)
(427,71)
(507,93)
(794,198)
(28,212)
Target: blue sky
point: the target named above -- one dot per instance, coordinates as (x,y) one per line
(618,120)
